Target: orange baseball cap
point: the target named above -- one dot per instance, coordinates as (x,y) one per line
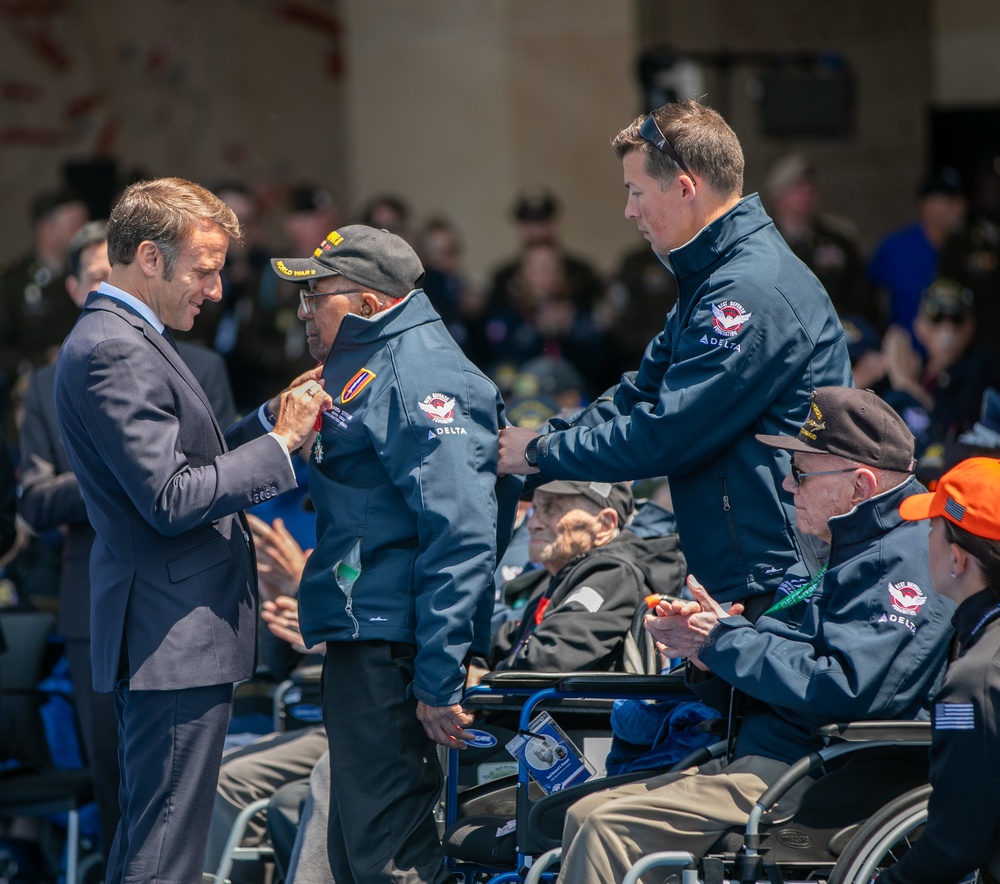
(968,495)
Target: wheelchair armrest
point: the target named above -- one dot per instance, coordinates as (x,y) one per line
(593,691)
(521,681)
(915,732)
(622,684)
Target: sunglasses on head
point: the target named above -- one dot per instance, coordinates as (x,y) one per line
(650,131)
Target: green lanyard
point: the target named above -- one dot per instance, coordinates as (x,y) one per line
(800,594)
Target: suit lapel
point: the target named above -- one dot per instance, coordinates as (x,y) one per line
(165,348)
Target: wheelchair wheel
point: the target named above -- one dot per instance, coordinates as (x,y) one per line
(881,842)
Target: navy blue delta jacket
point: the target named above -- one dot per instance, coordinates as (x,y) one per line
(871,642)
(752,334)
(406,462)
(963,825)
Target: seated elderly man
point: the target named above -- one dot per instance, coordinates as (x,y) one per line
(863,638)
(583,604)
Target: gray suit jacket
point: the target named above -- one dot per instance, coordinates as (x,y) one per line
(50,493)
(172,569)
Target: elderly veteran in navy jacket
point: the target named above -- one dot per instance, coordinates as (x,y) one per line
(863,638)
(400,585)
(752,333)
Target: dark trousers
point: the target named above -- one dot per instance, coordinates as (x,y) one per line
(384,771)
(170,749)
(99,730)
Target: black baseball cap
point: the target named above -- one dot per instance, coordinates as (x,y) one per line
(861,336)
(946,299)
(852,423)
(945,180)
(618,496)
(365,255)
(536,205)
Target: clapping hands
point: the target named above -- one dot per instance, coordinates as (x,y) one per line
(680,626)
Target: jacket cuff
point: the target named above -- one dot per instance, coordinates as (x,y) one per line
(725,623)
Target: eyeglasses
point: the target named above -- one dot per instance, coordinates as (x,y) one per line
(305,297)
(936,318)
(650,131)
(798,475)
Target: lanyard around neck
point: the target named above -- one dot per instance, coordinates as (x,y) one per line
(800,594)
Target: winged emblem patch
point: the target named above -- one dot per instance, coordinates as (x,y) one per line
(729,318)
(439,407)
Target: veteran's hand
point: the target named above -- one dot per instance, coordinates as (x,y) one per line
(681,628)
(445,724)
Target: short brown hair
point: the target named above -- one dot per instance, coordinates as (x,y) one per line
(701,137)
(164,211)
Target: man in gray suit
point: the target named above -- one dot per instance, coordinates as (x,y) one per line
(50,497)
(174,597)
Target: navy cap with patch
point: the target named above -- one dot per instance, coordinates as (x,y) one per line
(371,257)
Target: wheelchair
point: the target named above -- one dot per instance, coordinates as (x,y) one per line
(850,808)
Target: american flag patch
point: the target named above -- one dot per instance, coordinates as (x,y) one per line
(954,509)
(954,717)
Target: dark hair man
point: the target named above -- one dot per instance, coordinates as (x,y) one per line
(51,497)
(750,336)
(174,595)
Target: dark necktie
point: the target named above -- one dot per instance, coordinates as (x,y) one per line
(169,338)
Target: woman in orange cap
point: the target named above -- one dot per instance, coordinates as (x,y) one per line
(963,826)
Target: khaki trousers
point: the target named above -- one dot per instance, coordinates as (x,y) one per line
(606,832)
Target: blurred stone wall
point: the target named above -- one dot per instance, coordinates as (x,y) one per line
(454,106)
(457,104)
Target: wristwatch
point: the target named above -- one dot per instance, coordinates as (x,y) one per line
(531,451)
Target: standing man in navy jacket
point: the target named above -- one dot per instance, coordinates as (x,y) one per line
(409,517)
(173,578)
(752,333)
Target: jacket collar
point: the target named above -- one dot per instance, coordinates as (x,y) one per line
(133,303)
(873,517)
(971,614)
(714,240)
(415,309)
